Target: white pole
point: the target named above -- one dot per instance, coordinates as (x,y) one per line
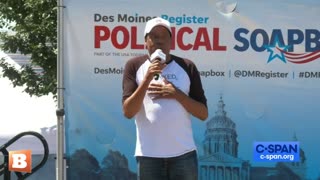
(60,90)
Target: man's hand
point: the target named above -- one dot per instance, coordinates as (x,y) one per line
(154,68)
(169,91)
(166,90)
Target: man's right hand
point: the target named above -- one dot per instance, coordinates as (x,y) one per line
(154,68)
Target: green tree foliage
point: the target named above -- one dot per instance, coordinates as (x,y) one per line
(34,23)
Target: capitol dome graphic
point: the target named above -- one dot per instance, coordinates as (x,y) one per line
(220,161)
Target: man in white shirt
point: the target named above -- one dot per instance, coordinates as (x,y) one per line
(162,93)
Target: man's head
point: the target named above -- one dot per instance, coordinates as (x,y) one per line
(157,35)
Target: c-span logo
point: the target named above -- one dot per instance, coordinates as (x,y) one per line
(20,161)
(276,151)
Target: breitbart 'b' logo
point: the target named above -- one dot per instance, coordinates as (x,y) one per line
(20,161)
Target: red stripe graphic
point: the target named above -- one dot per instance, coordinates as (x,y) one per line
(301,58)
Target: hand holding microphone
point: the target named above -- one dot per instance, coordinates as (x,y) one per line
(158,55)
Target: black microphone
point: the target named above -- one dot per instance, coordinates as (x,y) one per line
(160,56)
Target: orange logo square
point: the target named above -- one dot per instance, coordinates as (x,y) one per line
(20,161)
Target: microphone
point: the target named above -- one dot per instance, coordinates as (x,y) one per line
(158,55)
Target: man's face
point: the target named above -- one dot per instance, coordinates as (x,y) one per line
(158,38)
